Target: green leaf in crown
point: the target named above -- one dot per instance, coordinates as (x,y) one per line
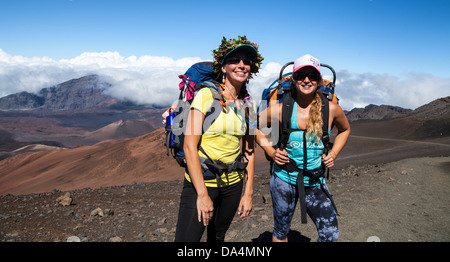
(230,44)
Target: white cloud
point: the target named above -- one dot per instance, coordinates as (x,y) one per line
(147,79)
(359,90)
(154,79)
(408,91)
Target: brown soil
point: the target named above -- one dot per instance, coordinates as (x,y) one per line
(396,202)
(388,185)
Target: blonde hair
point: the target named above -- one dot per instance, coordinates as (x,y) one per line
(315,121)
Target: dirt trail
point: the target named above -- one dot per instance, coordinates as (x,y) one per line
(440,144)
(401,201)
(377,150)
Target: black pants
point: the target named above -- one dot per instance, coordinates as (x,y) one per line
(226,202)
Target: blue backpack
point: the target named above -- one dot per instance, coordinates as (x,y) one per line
(280,90)
(198,76)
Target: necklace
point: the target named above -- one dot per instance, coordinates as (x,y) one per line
(229,92)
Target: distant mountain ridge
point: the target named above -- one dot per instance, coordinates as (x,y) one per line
(22,100)
(424,131)
(437,110)
(82,93)
(88,93)
(76,94)
(382,112)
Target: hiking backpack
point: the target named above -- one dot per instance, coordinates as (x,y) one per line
(279,91)
(198,76)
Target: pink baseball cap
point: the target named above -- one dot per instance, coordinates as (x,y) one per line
(306,60)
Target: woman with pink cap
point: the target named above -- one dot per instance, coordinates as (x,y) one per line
(304,155)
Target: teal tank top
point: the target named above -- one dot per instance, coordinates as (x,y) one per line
(294,149)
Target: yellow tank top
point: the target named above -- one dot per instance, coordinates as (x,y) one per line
(221,141)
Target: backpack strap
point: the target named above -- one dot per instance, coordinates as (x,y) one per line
(286,130)
(287,108)
(214,111)
(325,118)
(216,167)
(300,183)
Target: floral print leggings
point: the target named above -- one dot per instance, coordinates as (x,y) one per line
(318,205)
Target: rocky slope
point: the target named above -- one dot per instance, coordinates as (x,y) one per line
(23,100)
(143,159)
(405,201)
(377,112)
(76,94)
(130,189)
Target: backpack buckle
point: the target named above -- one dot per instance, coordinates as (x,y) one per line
(232,166)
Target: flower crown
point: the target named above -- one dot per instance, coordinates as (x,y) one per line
(228,45)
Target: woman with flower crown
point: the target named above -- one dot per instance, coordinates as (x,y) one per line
(212,203)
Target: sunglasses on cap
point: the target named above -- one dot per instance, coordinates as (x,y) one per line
(236,60)
(302,76)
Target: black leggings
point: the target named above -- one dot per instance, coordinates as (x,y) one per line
(226,202)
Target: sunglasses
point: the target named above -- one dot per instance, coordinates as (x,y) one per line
(301,76)
(236,60)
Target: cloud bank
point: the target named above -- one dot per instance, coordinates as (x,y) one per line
(154,79)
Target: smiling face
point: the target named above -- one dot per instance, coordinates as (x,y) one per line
(236,68)
(308,82)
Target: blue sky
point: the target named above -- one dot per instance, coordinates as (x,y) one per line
(389,42)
